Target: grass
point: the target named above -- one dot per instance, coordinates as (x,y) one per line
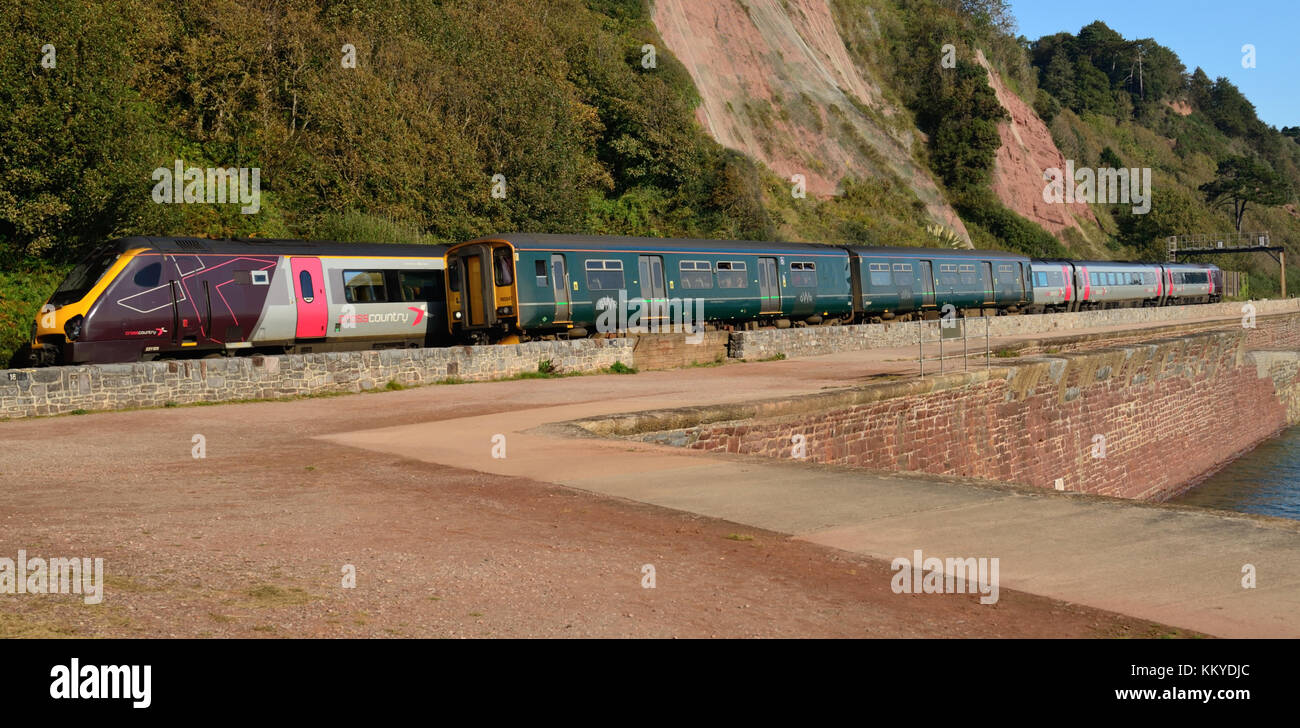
(269,595)
(739,537)
(1006,353)
(619,367)
(17,626)
(394,386)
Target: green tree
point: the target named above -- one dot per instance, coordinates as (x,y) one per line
(1241,181)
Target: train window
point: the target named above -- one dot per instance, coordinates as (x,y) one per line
(501,264)
(1093,277)
(1006,274)
(260,277)
(948,274)
(604,275)
(967,274)
(83,278)
(803,275)
(453,274)
(902,274)
(1040,279)
(879,274)
(539,268)
(364,286)
(149,276)
(418,285)
(731,274)
(307,290)
(1055,278)
(696,274)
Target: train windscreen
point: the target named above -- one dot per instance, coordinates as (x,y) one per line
(82,278)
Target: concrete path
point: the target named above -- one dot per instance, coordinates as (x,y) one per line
(1171,564)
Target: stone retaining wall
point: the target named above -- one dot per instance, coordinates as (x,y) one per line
(1144,421)
(815,340)
(58,390)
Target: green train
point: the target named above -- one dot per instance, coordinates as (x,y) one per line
(523,286)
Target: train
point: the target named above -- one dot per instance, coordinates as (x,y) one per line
(147,298)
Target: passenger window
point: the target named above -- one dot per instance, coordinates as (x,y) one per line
(878,275)
(364,286)
(695,274)
(803,275)
(418,285)
(604,275)
(149,276)
(731,274)
(539,268)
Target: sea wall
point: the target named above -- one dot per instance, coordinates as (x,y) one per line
(1142,421)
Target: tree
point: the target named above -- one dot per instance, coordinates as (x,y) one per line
(1243,180)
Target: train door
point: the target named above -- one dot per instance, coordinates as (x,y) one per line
(986,272)
(560,284)
(473,300)
(927,283)
(903,280)
(653,290)
(309,287)
(1082,286)
(769,286)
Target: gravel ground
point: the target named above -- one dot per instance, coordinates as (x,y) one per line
(253,540)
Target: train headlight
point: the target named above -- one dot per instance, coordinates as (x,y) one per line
(73,328)
(457,315)
(505,310)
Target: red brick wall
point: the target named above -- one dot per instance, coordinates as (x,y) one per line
(1170,412)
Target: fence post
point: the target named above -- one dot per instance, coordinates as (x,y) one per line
(920,346)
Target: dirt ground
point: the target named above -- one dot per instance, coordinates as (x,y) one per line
(253,539)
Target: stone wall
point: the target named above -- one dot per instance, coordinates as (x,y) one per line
(673,351)
(1144,421)
(57,390)
(814,340)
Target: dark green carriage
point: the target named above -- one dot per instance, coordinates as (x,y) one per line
(563,279)
(891,282)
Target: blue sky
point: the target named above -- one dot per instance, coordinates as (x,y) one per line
(1203,33)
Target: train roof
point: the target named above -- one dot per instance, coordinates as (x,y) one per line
(540,241)
(935,252)
(189,246)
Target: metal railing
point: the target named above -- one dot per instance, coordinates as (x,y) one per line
(952,330)
(1202,242)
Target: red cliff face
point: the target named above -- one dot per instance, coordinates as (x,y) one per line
(1027,151)
(778,84)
